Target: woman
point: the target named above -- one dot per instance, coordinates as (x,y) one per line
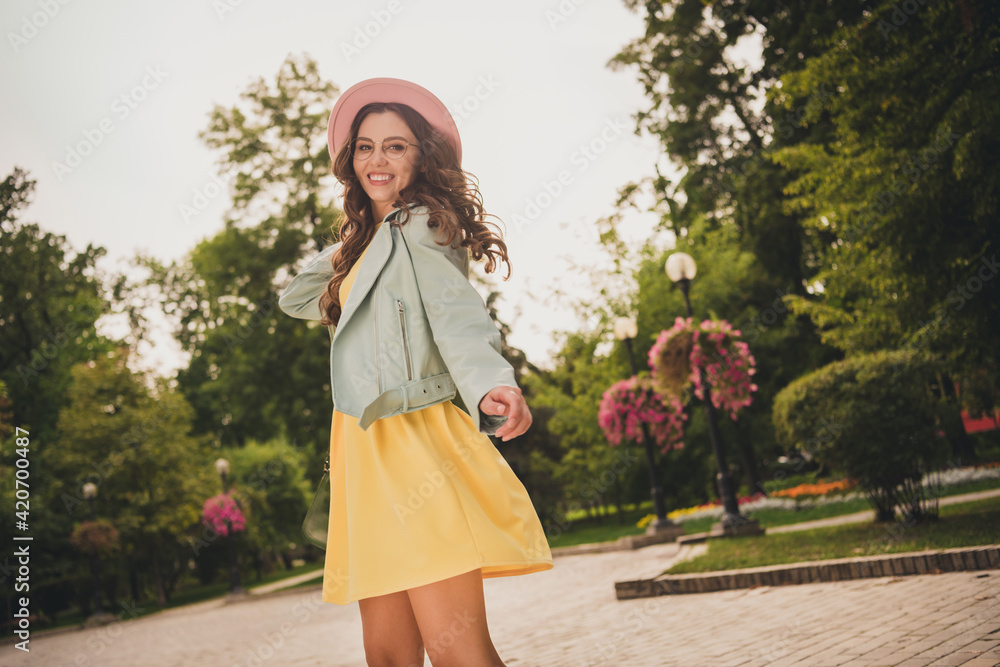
(423,506)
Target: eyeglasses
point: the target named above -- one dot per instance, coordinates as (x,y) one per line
(393,148)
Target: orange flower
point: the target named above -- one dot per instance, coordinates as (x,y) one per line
(820,489)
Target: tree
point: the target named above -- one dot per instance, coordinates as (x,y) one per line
(697,62)
(275,483)
(279,163)
(901,198)
(706,68)
(591,473)
(533,455)
(131,436)
(254,372)
(51,298)
(50,301)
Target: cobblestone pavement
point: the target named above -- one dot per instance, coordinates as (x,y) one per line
(568,616)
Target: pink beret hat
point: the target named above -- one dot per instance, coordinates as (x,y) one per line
(384,89)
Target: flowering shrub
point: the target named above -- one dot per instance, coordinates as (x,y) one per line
(710,508)
(97,536)
(221,512)
(952,476)
(627,404)
(713,346)
(821,489)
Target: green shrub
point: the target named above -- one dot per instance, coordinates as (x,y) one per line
(875,418)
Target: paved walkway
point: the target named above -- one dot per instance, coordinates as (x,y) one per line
(856,517)
(568,616)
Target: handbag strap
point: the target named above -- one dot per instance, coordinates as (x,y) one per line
(326,464)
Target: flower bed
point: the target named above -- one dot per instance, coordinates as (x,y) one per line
(713,508)
(797,498)
(820,489)
(953,476)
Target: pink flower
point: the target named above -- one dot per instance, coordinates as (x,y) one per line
(221,513)
(725,362)
(629,404)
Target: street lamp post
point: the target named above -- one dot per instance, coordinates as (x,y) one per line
(90,492)
(625,331)
(681,268)
(222,467)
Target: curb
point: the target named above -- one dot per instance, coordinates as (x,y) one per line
(624,543)
(839,569)
(279,592)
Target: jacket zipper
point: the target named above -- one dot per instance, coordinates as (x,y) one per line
(378,384)
(406,346)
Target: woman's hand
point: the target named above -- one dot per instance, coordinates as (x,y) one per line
(507,401)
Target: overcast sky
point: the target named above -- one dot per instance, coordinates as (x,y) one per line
(102,103)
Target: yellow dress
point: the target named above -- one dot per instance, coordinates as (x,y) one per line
(420,497)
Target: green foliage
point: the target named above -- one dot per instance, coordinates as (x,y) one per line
(533,456)
(134,442)
(589,472)
(857,162)
(873,417)
(224,294)
(729,284)
(705,106)
(275,487)
(50,299)
(96,537)
(899,200)
(271,148)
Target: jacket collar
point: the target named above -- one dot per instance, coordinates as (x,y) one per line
(371,266)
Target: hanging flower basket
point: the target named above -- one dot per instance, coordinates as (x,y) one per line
(715,347)
(222,513)
(95,537)
(627,404)
(670,359)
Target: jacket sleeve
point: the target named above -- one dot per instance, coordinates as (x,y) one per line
(301,297)
(465,334)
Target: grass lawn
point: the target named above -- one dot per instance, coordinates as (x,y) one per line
(961,525)
(584,530)
(588,531)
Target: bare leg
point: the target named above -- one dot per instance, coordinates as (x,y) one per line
(392,638)
(451,615)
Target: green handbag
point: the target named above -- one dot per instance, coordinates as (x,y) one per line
(316,524)
(317,521)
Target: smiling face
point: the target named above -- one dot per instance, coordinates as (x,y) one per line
(382,177)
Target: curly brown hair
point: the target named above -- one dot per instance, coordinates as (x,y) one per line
(449,193)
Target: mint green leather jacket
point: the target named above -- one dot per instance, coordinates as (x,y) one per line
(413,332)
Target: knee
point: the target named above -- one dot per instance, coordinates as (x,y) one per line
(389,655)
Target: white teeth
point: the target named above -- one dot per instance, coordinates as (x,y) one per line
(379,177)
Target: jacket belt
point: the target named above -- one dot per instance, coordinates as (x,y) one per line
(435,389)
